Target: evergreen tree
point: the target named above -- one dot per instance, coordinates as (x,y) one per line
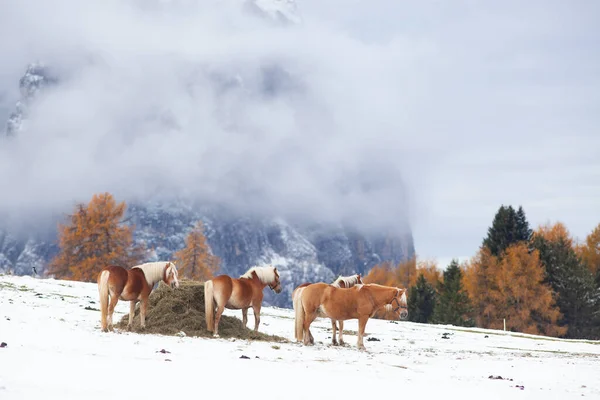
(453,305)
(523,231)
(421,301)
(570,279)
(509,227)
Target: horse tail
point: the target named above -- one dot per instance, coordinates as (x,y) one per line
(103,292)
(299,315)
(209,306)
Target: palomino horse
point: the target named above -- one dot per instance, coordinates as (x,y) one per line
(340,282)
(242,293)
(359,302)
(117,283)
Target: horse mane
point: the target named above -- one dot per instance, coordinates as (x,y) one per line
(348,280)
(265,274)
(154,271)
(403,298)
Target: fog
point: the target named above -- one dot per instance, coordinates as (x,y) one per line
(380,112)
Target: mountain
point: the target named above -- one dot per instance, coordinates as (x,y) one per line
(302,250)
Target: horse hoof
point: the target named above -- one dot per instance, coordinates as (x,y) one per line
(216,335)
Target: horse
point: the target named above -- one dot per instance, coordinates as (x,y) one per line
(340,282)
(117,283)
(242,293)
(358,302)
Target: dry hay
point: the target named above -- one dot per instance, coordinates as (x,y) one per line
(171,311)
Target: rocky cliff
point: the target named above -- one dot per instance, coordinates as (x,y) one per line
(303,250)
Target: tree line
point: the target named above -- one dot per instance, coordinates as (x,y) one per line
(538,282)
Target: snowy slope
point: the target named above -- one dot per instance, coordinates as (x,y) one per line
(55,350)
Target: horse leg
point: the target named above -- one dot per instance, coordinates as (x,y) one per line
(220,310)
(143,308)
(245,316)
(131,312)
(341,334)
(111,308)
(308,319)
(256,309)
(362,323)
(334,329)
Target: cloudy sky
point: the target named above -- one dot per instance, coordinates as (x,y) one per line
(431,113)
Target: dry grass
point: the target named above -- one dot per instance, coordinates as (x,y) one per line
(171,311)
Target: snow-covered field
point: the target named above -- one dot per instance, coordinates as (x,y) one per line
(55,350)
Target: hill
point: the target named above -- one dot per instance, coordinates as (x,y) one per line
(54,348)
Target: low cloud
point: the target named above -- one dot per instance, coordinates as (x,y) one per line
(379,113)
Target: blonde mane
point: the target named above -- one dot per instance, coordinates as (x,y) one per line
(403,299)
(154,271)
(348,280)
(265,274)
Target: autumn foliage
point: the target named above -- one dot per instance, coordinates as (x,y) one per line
(511,287)
(94,238)
(404,274)
(589,251)
(195,261)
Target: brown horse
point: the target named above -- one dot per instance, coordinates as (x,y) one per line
(340,282)
(117,283)
(242,293)
(359,302)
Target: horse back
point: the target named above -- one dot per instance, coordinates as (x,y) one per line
(346,303)
(231,292)
(117,277)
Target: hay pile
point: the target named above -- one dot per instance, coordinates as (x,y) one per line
(171,311)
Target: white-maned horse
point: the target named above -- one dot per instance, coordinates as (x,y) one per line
(117,283)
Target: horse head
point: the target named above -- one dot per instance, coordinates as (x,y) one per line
(402,303)
(275,285)
(170,275)
(398,304)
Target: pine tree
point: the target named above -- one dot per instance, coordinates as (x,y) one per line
(195,260)
(453,305)
(523,232)
(509,227)
(94,238)
(421,301)
(570,279)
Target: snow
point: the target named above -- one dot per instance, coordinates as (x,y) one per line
(56,350)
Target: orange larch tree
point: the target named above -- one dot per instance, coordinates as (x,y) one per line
(590,251)
(430,271)
(512,288)
(95,237)
(195,260)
